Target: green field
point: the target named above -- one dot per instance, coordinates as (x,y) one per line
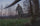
(14,22)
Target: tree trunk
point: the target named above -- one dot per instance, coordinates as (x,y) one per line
(36,6)
(34,15)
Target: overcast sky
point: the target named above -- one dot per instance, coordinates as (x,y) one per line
(7,2)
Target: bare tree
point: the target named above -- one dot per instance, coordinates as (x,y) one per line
(34,15)
(26,5)
(1,9)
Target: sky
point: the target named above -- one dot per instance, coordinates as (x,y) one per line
(8,2)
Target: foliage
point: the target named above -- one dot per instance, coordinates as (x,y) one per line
(13,22)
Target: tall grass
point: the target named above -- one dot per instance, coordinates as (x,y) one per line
(13,22)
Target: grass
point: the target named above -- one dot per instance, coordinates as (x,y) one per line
(14,22)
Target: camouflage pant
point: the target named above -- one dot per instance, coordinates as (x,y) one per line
(20,14)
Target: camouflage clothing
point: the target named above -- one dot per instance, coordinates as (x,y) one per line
(19,9)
